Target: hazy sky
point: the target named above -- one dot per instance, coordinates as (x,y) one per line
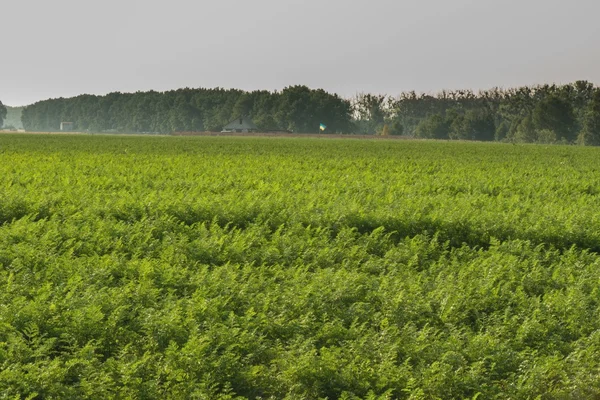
(68,47)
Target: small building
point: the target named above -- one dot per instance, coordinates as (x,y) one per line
(67,126)
(241,124)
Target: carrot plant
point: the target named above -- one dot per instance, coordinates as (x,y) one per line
(163,267)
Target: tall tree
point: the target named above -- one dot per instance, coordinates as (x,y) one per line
(3,112)
(370,112)
(473,125)
(526,132)
(590,134)
(434,127)
(556,114)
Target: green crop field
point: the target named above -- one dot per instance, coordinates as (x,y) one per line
(263,268)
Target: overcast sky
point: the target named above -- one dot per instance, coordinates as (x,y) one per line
(63,48)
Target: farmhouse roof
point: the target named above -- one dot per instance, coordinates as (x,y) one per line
(240,123)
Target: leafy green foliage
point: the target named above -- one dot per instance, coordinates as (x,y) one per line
(434,127)
(223,268)
(543,114)
(555,114)
(473,125)
(590,135)
(526,132)
(13,118)
(3,112)
(295,108)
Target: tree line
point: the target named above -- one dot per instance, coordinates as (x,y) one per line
(296,108)
(546,113)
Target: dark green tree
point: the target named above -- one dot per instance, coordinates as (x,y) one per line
(434,127)
(590,134)
(243,105)
(457,126)
(370,112)
(556,114)
(502,131)
(3,112)
(526,132)
(473,125)
(395,127)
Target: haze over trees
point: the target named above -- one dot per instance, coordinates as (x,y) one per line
(546,114)
(2,113)
(12,119)
(296,108)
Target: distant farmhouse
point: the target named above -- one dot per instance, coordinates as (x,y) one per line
(67,126)
(241,124)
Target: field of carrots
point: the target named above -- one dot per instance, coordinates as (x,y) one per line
(296,268)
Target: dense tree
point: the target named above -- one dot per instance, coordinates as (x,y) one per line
(545,136)
(2,113)
(590,134)
(526,132)
(473,125)
(481,124)
(434,127)
(545,113)
(395,127)
(295,108)
(243,105)
(555,114)
(13,117)
(502,131)
(370,112)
